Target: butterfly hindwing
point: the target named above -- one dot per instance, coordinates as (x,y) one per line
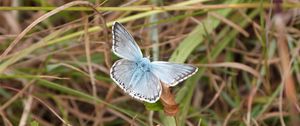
(172,73)
(139,84)
(124,45)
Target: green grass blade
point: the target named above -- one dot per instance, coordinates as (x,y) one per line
(185,49)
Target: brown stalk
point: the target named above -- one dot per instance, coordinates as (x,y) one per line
(27,109)
(233,65)
(41,101)
(49,14)
(229,115)
(15,97)
(216,96)
(5,119)
(40,19)
(168,101)
(90,69)
(230,23)
(288,80)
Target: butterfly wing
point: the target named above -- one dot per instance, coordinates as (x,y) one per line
(172,73)
(141,85)
(124,45)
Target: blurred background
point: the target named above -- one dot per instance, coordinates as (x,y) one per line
(55,62)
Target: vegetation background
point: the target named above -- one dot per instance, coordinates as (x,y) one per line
(56,56)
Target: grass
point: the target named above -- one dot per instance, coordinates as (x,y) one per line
(56,71)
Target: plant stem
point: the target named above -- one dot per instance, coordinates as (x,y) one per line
(162,8)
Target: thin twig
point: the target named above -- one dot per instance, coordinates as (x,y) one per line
(233,65)
(41,101)
(216,96)
(26,111)
(164,8)
(40,19)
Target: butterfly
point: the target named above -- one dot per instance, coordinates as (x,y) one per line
(137,75)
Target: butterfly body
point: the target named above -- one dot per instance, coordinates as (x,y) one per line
(144,64)
(141,67)
(137,75)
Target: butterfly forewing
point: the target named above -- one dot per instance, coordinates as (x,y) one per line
(172,73)
(139,84)
(124,45)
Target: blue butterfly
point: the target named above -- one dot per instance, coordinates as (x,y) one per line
(137,75)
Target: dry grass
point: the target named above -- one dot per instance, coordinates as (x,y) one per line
(55,62)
